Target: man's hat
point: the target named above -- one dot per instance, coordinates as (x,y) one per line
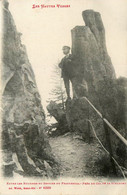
(64,47)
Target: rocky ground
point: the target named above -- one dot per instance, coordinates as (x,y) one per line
(77,159)
(74,155)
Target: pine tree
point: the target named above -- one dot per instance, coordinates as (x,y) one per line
(57,93)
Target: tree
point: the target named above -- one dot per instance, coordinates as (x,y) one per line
(57,93)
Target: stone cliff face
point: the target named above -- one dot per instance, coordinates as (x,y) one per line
(23,115)
(94,67)
(107,93)
(89,48)
(21,99)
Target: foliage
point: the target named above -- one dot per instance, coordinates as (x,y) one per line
(57,93)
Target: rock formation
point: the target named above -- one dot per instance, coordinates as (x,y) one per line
(89,48)
(95,78)
(23,118)
(60,116)
(94,65)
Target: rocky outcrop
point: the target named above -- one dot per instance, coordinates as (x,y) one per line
(23,115)
(94,67)
(77,114)
(59,114)
(89,48)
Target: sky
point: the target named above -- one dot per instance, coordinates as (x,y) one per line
(45,31)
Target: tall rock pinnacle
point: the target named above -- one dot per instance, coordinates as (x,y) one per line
(89,46)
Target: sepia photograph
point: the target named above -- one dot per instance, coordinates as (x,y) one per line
(63,93)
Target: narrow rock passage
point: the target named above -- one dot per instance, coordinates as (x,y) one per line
(73,154)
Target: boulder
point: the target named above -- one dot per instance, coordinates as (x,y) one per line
(60,115)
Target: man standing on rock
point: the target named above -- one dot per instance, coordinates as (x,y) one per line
(68,71)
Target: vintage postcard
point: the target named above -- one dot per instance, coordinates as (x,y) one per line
(63,90)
